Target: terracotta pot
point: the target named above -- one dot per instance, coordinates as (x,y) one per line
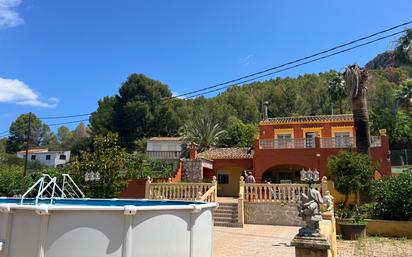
(352,231)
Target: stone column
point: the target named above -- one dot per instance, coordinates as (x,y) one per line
(147,188)
(241,206)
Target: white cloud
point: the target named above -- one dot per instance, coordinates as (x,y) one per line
(8,17)
(15,91)
(246,59)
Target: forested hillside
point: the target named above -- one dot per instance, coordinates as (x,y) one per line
(140,111)
(144,107)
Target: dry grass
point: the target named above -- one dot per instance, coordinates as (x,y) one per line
(375,247)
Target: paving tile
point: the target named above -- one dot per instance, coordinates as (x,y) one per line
(254,241)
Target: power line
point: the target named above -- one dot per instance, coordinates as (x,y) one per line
(69,122)
(263,71)
(6,131)
(64,117)
(51,125)
(291,67)
(294,61)
(4,136)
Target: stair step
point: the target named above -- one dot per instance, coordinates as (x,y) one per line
(227,207)
(220,215)
(225,211)
(224,224)
(225,220)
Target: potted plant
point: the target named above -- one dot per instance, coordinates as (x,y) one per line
(353,227)
(352,173)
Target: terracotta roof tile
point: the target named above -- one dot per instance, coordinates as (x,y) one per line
(227,153)
(303,119)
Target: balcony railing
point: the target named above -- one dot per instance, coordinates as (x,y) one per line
(337,142)
(296,143)
(302,143)
(163,155)
(344,142)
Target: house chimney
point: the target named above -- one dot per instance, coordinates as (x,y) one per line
(265,110)
(193,150)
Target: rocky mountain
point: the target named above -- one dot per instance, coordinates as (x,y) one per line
(382,61)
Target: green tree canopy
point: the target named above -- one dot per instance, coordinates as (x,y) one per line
(351,172)
(18,133)
(240,134)
(404,94)
(139,110)
(109,159)
(403,50)
(65,137)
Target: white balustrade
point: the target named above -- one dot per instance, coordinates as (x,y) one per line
(182,191)
(276,193)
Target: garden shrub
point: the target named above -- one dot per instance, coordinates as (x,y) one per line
(393,197)
(12,181)
(351,172)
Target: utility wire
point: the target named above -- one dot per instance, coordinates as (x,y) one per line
(294,61)
(291,67)
(50,125)
(3,136)
(263,71)
(69,122)
(64,117)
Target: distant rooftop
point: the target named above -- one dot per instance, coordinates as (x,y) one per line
(165,139)
(227,153)
(309,119)
(35,150)
(41,151)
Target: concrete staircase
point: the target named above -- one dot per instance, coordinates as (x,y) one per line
(226,215)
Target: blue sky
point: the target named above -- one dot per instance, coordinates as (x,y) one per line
(60,57)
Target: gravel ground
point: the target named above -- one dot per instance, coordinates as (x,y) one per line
(375,247)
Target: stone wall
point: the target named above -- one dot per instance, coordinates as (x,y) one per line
(192,170)
(272,214)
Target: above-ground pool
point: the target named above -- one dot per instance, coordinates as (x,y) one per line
(99,228)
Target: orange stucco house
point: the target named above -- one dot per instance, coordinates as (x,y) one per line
(287,145)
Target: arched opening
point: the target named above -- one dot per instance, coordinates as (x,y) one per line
(288,173)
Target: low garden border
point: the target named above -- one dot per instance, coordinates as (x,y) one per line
(387,228)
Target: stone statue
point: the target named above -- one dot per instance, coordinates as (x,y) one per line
(310,212)
(328,198)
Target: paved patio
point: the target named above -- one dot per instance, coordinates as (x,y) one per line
(262,240)
(254,241)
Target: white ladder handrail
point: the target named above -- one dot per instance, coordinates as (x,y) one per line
(40,193)
(56,191)
(39,181)
(73,183)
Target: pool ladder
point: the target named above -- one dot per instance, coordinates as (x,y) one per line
(47,188)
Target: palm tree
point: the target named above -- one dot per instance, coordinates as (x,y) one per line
(404,94)
(203,132)
(336,90)
(356,85)
(403,50)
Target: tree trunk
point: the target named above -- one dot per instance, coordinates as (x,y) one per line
(356,81)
